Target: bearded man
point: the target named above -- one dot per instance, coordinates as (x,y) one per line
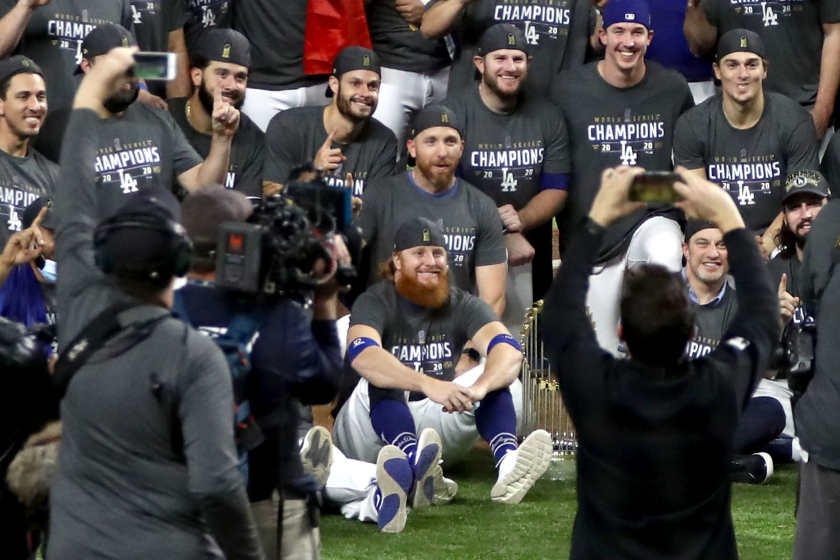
(220,65)
(342,140)
(405,337)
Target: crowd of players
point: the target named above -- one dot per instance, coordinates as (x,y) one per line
(468,129)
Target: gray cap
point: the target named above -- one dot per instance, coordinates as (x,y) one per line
(806,181)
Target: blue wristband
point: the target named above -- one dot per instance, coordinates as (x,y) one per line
(141,85)
(502,339)
(355,348)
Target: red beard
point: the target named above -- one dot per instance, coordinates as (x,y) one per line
(426,295)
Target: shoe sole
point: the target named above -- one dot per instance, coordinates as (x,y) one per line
(394,477)
(533,459)
(316,454)
(768,460)
(427,469)
(450,488)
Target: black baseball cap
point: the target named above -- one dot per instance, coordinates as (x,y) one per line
(740,40)
(419,232)
(502,36)
(354,58)
(806,181)
(18,64)
(224,45)
(693,225)
(31,212)
(102,39)
(436,115)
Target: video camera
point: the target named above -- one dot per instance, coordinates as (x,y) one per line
(285,247)
(794,358)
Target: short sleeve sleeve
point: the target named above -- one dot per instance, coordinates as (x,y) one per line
(802,147)
(557,151)
(282,150)
(688,146)
(475,314)
(490,245)
(370,310)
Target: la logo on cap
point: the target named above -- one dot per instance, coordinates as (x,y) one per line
(744,42)
(366,60)
(427,235)
(444,118)
(630,17)
(511,39)
(226,51)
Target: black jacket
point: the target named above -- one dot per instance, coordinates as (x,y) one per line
(655,446)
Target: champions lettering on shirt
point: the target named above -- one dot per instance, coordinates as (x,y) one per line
(125,165)
(750,176)
(428,358)
(15,199)
(359,181)
(548,19)
(699,347)
(507,164)
(628,136)
(70,30)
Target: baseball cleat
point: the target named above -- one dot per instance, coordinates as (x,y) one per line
(520,469)
(316,454)
(445,492)
(427,472)
(394,476)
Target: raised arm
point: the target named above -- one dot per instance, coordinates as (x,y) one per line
(14,23)
(442,18)
(701,34)
(829,78)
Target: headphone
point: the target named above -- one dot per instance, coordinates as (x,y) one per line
(179,253)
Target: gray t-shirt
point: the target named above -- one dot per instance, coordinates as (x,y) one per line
(752,164)
(154,20)
(22,180)
(710,324)
(246,151)
(469,219)
(205,14)
(53,39)
(426,339)
(276,33)
(830,166)
(294,137)
(557,32)
(610,126)
(793,37)
(143,147)
(399,44)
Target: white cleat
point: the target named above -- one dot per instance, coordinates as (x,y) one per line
(428,475)
(316,454)
(520,469)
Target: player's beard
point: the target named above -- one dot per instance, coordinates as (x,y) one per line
(121,100)
(413,290)
(492,83)
(345,107)
(207,101)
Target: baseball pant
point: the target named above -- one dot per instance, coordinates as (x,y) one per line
(657,241)
(519,297)
(402,94)
(352,485)
(818,515)
(354,435)
(262,104)
(780,391)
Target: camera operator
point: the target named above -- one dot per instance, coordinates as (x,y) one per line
(817,413)
(656,432)
(147,467)
(295,359)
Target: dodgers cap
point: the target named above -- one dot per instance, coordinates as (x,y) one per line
(102,39)
(626,11)
(806,181)
(224,45)
(418,232)
(354,58)
(740,40)
(693,226)
(436,115)
(18,64)
(502,36)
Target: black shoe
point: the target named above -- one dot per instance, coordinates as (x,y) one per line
(752,469)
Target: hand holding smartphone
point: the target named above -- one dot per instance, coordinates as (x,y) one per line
(655,187)
(155,66)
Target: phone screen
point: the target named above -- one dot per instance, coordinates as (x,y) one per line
(655,187)
(154,66)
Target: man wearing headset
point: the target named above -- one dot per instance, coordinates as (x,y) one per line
(148,464)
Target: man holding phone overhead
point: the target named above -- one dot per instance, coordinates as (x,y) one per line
(745,139)
(621,111)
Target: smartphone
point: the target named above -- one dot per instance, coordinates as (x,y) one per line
(655,187)
(155,66)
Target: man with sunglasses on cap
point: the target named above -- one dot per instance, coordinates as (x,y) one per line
(621,111)
(220,63)
(25,174)
(746,139)
(405,336)
(141,146)
(148,464)
(516,151)
(470,220)
(341,140)
(802,40)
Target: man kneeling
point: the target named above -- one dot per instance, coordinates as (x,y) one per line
(406,335)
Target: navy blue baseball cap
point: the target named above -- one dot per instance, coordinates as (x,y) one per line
(626,11)
(102,39)
(418,232)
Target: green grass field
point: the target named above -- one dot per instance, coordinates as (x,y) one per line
(473,527)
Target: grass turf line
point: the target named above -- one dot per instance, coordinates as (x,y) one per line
(473,527)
